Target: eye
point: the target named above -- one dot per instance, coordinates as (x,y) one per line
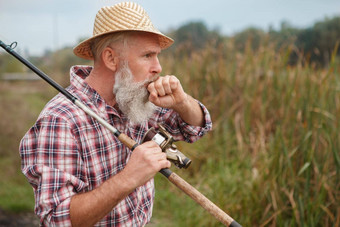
(149,54)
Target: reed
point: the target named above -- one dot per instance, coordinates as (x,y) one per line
(272,158)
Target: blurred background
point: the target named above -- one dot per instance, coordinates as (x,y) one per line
(268,71)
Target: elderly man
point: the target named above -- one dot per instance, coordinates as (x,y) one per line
(82,175)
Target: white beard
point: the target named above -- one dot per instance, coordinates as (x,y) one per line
(132,97)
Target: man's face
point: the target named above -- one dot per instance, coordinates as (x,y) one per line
(139,67)
(142,56)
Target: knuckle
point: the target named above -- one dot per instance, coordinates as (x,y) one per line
(174,80)
(172,77)
(151,85)
(158,149)
(159,85)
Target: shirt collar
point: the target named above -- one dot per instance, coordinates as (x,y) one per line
(78,74)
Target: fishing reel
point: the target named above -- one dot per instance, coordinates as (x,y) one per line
(166,142)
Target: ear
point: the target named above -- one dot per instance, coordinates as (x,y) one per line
(110,58)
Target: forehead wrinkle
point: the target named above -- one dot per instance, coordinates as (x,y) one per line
(147,39)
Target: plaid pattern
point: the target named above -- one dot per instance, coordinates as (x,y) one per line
(67,152)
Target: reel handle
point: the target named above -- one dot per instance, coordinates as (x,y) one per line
(166,142)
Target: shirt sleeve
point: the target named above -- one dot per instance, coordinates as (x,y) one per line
(180,130)
(53,166)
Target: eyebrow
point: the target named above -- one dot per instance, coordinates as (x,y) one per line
(153,52)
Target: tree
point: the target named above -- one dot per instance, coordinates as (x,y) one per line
(320,40)
(195,35)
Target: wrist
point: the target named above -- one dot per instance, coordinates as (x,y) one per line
(184,105)
(125,183)
(190,112)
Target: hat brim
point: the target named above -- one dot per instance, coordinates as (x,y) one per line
(83,49)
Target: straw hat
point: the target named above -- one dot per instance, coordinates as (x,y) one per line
(124,16)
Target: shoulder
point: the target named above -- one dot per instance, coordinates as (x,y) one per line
(60,108)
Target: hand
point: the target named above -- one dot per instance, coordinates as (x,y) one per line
(167,92)
(88,208)
(145,161)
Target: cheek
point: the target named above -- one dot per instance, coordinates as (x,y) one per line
(139,73)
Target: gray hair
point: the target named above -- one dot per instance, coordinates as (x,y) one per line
(109,40)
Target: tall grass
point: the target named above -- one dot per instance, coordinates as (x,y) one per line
(272,158)
(20,104)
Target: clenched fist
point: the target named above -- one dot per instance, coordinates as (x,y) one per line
(167,92)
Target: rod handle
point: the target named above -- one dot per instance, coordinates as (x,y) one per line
(127,141)
(200,198)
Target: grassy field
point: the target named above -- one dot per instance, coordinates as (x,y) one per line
(21,103)
(272,158)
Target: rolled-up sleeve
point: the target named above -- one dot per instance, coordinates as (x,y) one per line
(52,164)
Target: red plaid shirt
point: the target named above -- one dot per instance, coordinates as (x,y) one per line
(67,152)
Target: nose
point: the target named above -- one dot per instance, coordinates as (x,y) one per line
(156,67)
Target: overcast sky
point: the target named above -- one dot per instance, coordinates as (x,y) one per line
(38,25)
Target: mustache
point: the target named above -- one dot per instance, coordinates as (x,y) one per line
(150,80)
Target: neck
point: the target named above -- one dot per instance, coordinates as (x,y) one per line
(102,81)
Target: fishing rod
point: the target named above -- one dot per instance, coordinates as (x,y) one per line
(162,138)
